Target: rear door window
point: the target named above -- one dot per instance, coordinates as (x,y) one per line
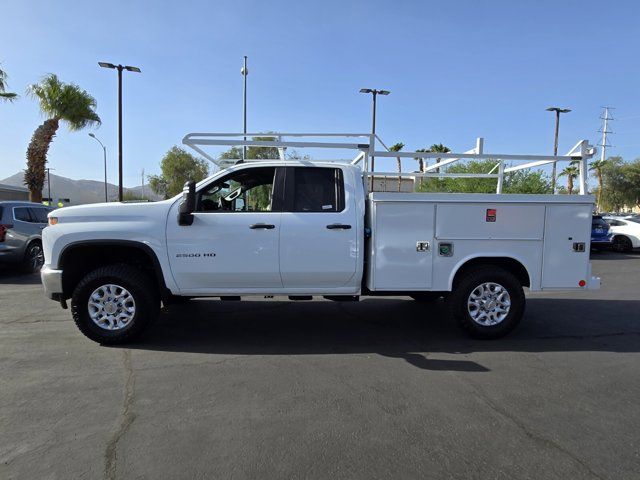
(22,214)
(314,189)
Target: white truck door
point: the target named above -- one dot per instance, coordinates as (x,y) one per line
(233,241)
(318,234)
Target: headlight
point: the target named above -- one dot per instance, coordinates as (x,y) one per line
(53,220)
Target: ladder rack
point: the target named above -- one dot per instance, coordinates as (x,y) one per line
(365,145)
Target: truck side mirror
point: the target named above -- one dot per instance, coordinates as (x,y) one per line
(188,205)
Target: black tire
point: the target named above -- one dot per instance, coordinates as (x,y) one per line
(33,257)
(622,244)
(139,285)
(473,279)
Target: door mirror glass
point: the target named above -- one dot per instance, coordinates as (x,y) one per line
(188,205)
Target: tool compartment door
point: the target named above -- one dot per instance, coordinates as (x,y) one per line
(398,262)
(562,266)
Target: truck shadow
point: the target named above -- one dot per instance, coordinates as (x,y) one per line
(396,328)
(15,275)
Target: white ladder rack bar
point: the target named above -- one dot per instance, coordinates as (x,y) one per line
(432,175)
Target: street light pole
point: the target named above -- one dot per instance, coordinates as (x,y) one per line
(555,143)
(104,150)
(244,72)
(49,186)
(120,68)
(374,93)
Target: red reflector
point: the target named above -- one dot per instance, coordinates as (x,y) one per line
(582,283)
(491,214)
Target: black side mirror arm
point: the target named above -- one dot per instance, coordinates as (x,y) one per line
(188,205)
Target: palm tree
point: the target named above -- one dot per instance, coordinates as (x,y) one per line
(439,148)
(571,172)
(396,148)
(4,95)
(421,163)
(58,102)
(596,167)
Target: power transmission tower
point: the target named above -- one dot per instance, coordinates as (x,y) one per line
(605,131)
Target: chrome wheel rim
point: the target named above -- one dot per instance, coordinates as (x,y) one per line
(489,304)
(36,257)
(111,307)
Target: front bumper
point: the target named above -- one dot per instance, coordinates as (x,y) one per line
(52,282)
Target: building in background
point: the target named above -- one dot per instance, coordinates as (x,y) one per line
(9,192)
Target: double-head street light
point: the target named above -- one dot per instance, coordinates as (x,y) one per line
(558,111)
(374,93)
(104,150)
(120,68)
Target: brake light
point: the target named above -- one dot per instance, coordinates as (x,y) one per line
(53,220)
(3,230)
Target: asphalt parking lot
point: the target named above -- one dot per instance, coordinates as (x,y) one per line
(383,388)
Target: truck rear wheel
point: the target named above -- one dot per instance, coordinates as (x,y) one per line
(114,304)
(488,302)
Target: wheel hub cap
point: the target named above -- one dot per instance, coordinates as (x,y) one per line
(111,307)
(489,304)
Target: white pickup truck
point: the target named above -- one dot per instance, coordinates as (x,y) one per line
(303,229)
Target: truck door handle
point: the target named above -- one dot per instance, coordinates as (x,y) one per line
(335,226)
(265,226)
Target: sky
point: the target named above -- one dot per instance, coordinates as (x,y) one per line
(456,70)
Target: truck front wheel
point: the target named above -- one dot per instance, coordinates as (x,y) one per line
(114,304)
(488,302)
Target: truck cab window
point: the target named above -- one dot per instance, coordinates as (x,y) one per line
(247,190)
(316,189)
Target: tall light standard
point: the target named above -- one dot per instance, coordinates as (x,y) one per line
(244,71)
(120,68)
(555,142)
(104,150)
(49,184)
(374,94)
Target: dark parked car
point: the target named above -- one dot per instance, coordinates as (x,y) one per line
(600,234)
(21,225)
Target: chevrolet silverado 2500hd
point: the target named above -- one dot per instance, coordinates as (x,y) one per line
(302,228)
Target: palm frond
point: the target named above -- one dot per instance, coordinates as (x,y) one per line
(4,95)
(66,102)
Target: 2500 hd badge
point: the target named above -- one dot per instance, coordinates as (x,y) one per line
(195,255)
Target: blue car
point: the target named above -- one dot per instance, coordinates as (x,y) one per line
(600,234)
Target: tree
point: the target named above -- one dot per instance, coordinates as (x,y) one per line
(596,167)
(571,172)
(521,181)
(396,147)
(4,95)
(58,101)
(178,167)
(526,181)
(614,185)
(438,148)
(631,172)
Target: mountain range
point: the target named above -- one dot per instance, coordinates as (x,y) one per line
(82,191)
